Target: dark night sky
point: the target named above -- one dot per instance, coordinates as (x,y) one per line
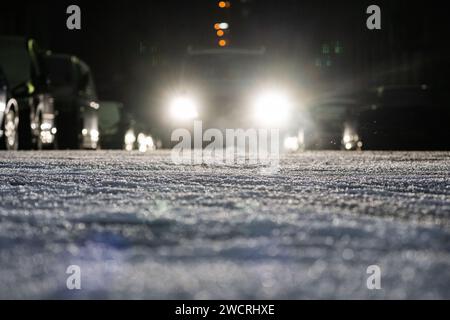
(120,39)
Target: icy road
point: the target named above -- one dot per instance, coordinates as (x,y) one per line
(139,226)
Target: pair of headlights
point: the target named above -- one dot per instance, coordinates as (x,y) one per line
(144,142)
(269,108)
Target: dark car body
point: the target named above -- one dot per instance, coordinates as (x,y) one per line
(21,61)
(405,118)
(331,123)
(75,99)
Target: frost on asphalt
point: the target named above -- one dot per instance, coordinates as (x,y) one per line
(140,226)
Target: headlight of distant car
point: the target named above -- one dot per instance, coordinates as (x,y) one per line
(272,108)
(145,143)
(183,108)
(129,139)
(351,140)
(291,143)
(94,134)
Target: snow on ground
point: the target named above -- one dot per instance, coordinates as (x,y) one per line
(140,226)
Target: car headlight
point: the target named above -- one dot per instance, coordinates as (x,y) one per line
(183,108)
(94,135)
(291,143)
(272,108)
(145,143)
(350,139)
(129,140)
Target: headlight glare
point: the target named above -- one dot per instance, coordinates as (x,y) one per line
(272,108)
(183,108)
(291,143)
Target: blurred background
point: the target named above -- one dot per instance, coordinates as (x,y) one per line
(359,88)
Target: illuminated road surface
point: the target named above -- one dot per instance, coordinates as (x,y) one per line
(141,227)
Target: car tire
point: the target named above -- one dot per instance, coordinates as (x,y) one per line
(10,128)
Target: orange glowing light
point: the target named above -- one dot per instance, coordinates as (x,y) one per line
(222,43)
(220,33)
(222,4)
(217,26)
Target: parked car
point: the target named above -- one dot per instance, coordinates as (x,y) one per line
(331,123)
(9,119)
(405,118)
(22,64)
(75,100)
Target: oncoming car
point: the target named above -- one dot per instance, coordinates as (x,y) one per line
(230,89)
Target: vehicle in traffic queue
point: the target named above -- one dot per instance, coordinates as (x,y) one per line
(118,129)
(332,123)
(75,101)
(32,101)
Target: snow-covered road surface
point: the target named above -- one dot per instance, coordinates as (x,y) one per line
(141,227)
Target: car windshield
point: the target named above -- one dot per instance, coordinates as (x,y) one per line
(227,67)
